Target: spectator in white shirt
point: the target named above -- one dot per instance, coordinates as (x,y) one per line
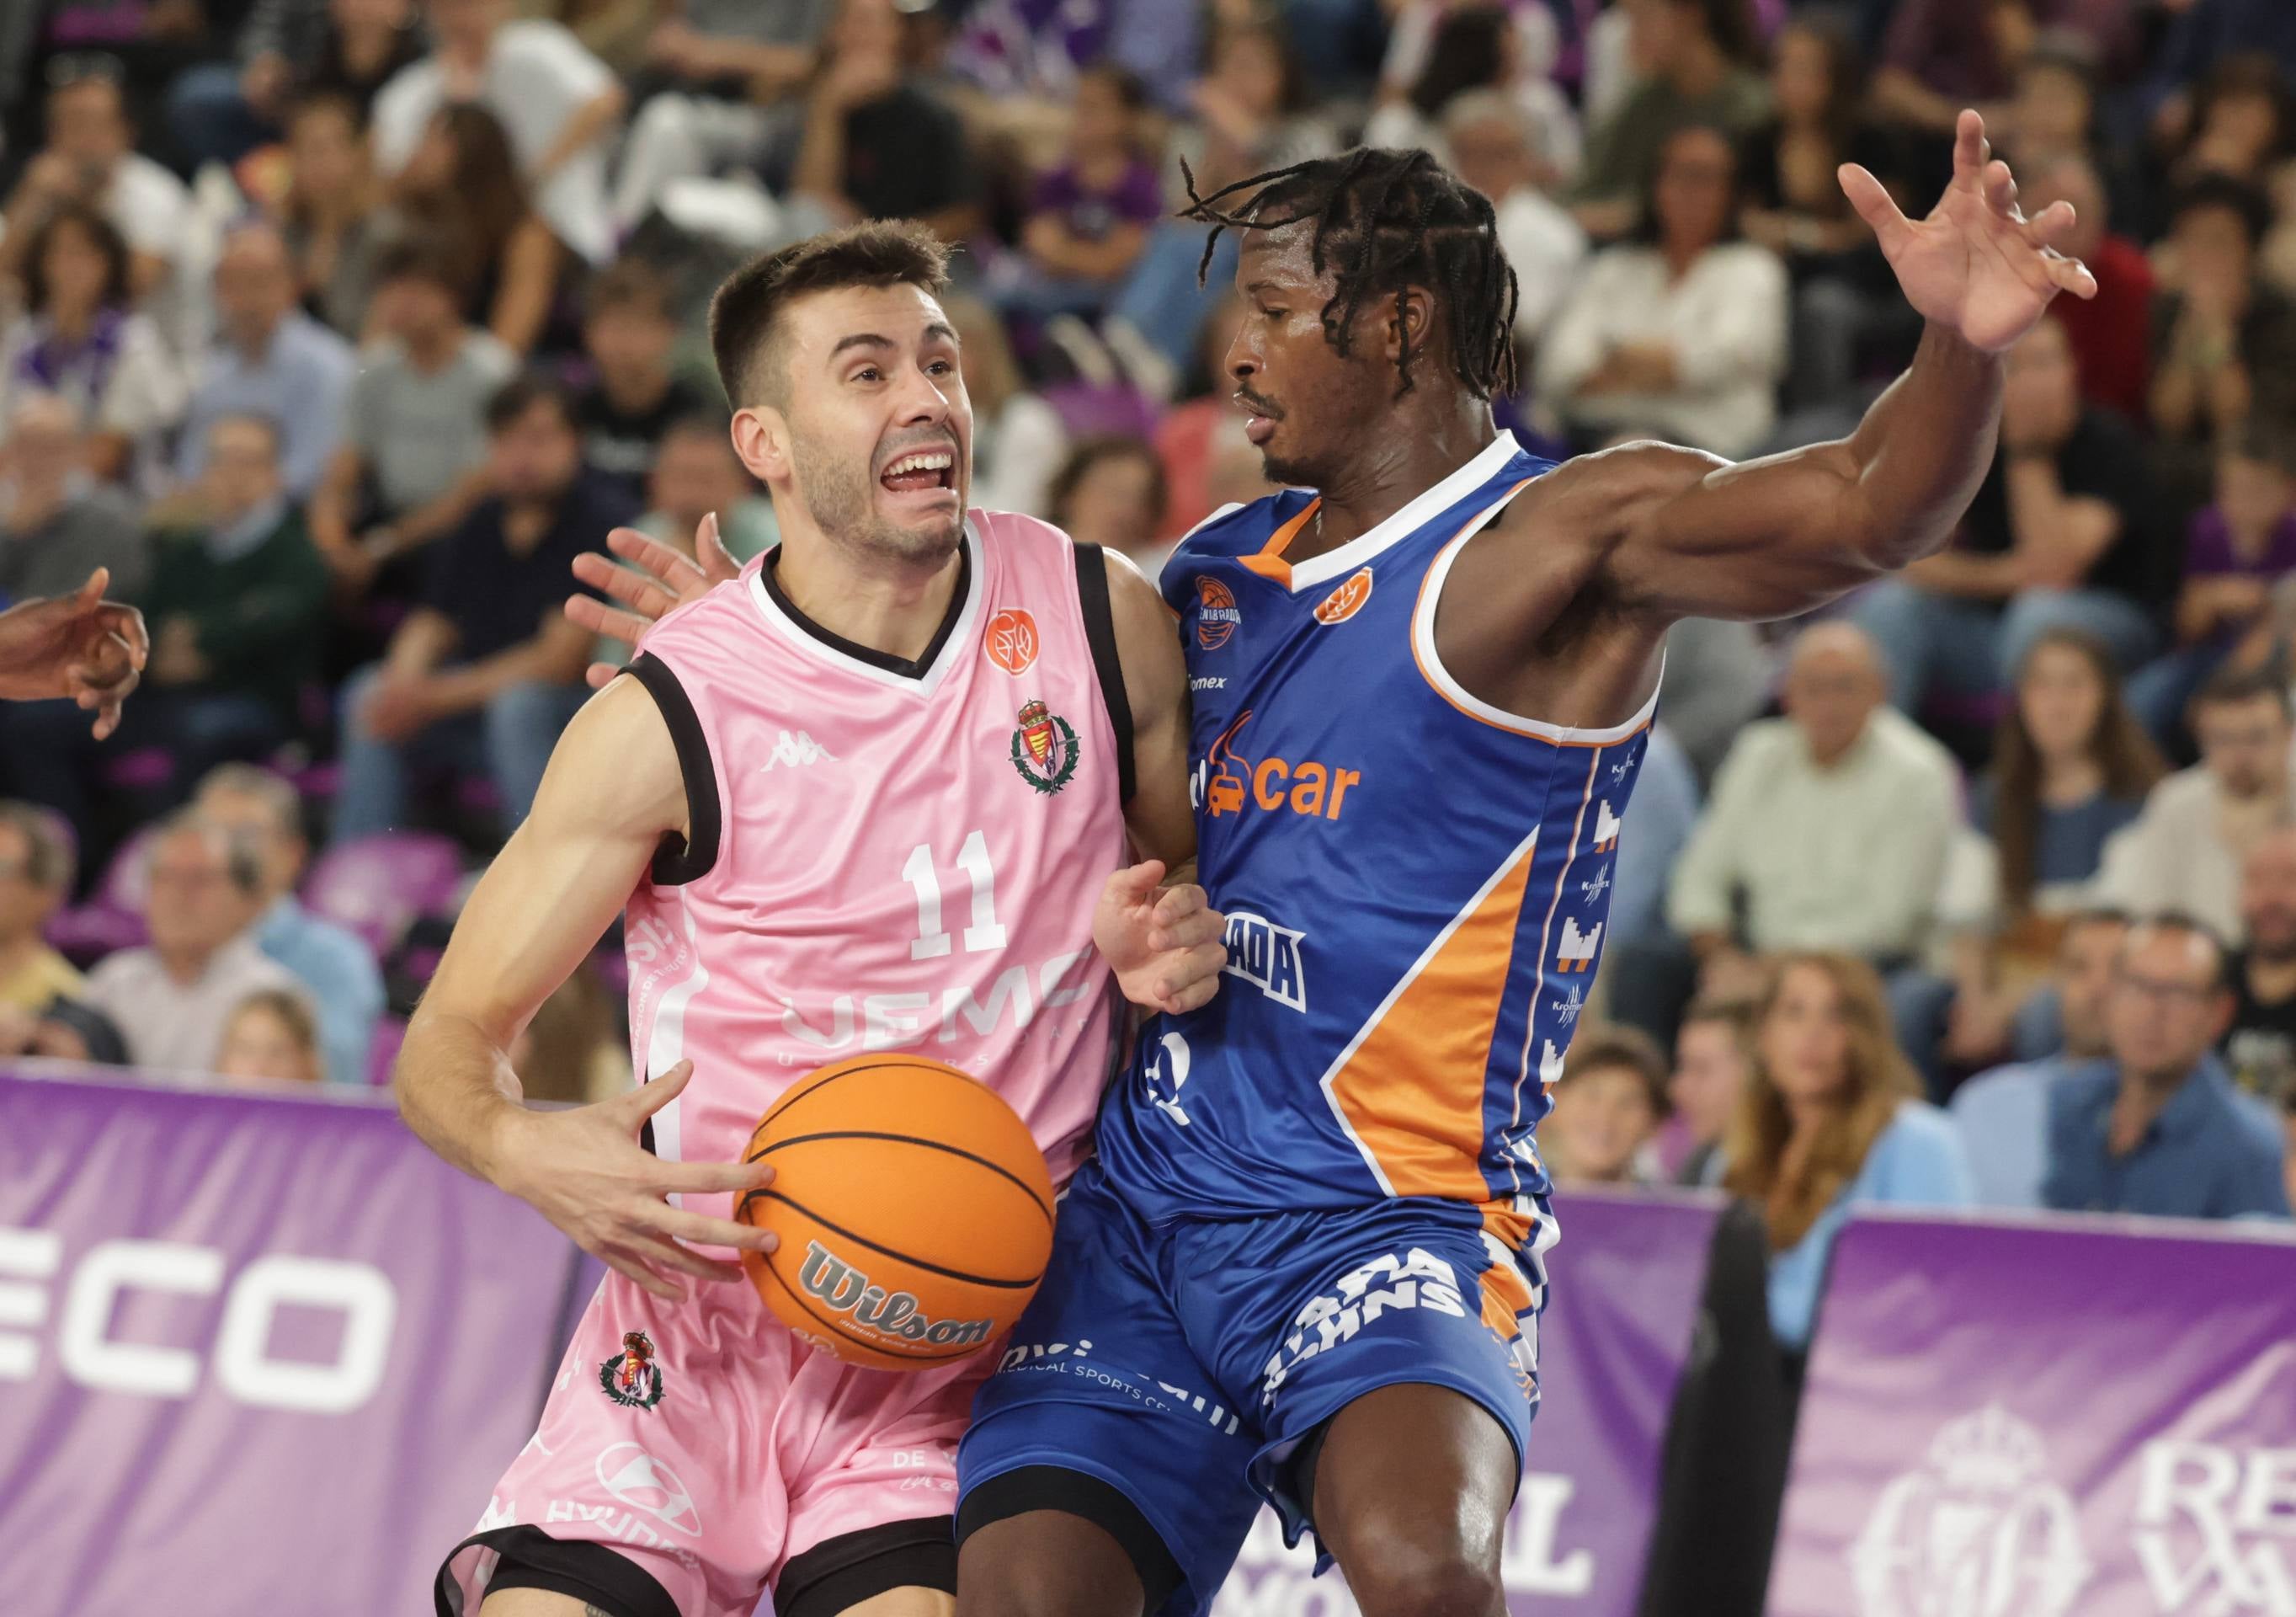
(1493,148)
(173,998)
(90,160)
(2184,851)
(1826,830)
(558,102)
(1681,334)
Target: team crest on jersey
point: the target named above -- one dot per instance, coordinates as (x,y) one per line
(1044,748)
(630,1377)
(1011,641)
(1345,602)
(1216,616)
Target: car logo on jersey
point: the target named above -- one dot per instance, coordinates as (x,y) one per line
(1225,782)
(1267,956)
(1345,602)
(1044,748)
(1011,641)
(631,1378)
(1217,617)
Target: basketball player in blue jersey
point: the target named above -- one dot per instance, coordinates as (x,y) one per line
(1307,1266)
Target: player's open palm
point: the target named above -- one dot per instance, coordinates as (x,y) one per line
(1976,264)
(1163,943)
(652,579)
(583,1170)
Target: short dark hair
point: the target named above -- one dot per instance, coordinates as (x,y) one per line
(1089,453)
(424,255)
(2230,686)
(627,284)
(2243,201)
(1620,1046)
(1384,220)
(119,288)
(521,393)
(2191,926)
(47,847)
(745,310)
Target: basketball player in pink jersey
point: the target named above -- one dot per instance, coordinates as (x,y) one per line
(862,797)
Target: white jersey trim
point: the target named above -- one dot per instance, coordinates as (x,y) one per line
(1462,481)
(666,1038)
(1430,664)
(962,640)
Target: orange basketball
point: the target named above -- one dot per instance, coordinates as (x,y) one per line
(915,1213)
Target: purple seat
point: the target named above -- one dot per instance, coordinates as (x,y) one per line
(112,918)
(1103,412)
(379,885)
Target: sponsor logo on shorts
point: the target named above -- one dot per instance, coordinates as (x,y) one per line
(615,1525)
(889,1319)
(1044,748)
(644,1484)
(1164,1396)
(1267,956)
(1385,1284)
(1217,617)
(1345,602)
(1011,641)
(631,1378)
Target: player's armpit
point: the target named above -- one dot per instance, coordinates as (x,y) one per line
(1162,824)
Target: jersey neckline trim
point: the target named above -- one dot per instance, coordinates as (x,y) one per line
(923,675)
(1457,485)
(1430,664)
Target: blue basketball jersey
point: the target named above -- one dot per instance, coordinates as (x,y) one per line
(1414,884)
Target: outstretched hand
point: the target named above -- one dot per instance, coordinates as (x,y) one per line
(1976,264)
(1163,943)
(79,646)
(657,578)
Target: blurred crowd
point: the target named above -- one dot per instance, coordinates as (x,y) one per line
(334,329)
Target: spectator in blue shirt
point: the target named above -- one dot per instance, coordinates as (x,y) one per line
(2156,1127)
(1831,1119)
(274,361)
(333,964)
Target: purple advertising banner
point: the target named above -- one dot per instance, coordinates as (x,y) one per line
(1625,1285)
(2064,1416)
(257,1353)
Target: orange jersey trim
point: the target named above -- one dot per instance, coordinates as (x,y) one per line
(1268,560)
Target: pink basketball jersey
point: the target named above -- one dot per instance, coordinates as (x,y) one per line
(884,856)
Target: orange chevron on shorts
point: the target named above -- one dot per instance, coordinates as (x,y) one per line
(1411,1087)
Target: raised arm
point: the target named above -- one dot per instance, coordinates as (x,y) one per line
(612,793)
(1687,534)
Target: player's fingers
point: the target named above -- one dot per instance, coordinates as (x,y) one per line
(676,571)
(717,562)
(623,583)
(598,676)
(634,1270)
(1873,202)
(708,1179)
(1193,970)
(126,625)
(589,612)
(1180,902)
(2071,275)
(701,1231)
(1190,931)
(1135,883)
(1970,146)
(2000,188)
(660,1254)
(657,1092)
(92,592)
(2051,225)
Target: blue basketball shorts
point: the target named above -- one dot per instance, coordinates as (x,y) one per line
(1185,1364)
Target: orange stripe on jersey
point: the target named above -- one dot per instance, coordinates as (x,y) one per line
(1506,1298)
(1268,560)
(1410,1088)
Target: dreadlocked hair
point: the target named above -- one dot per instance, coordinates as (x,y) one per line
(1384,220)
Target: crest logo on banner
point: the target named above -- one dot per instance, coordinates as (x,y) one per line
(1979,1531)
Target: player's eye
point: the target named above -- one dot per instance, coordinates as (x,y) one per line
(1274,314)
(941,367)
(867,373)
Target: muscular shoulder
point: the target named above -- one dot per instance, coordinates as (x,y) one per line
(616,767)
(1594,498)
(1155,676)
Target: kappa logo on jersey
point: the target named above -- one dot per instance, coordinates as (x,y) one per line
(795,749)
(1011,641)
(1044,748)
(631,1378)
(891,1317)
(1345,602)
(1229,783)
(1267,956)
(1217,617)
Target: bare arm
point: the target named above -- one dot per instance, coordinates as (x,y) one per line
(529,283)
(1688,534)
(554,656)
(420,644)
(2058,535)
(330,502)
(1162,823)
(612,792)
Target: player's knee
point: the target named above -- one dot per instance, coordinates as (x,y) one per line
(1395,1572)
(1027,1589)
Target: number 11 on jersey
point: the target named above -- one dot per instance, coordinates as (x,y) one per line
(923,873)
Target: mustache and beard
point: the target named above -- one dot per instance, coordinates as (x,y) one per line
(839,494)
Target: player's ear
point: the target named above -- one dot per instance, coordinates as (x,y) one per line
(1410,313)
(761,438)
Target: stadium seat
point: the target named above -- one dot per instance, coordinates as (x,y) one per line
(379,885)
(113,917)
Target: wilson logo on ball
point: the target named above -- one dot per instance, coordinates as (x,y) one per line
(892,1316)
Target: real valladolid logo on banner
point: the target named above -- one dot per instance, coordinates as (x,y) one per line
(630,1377)
(1044,748)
